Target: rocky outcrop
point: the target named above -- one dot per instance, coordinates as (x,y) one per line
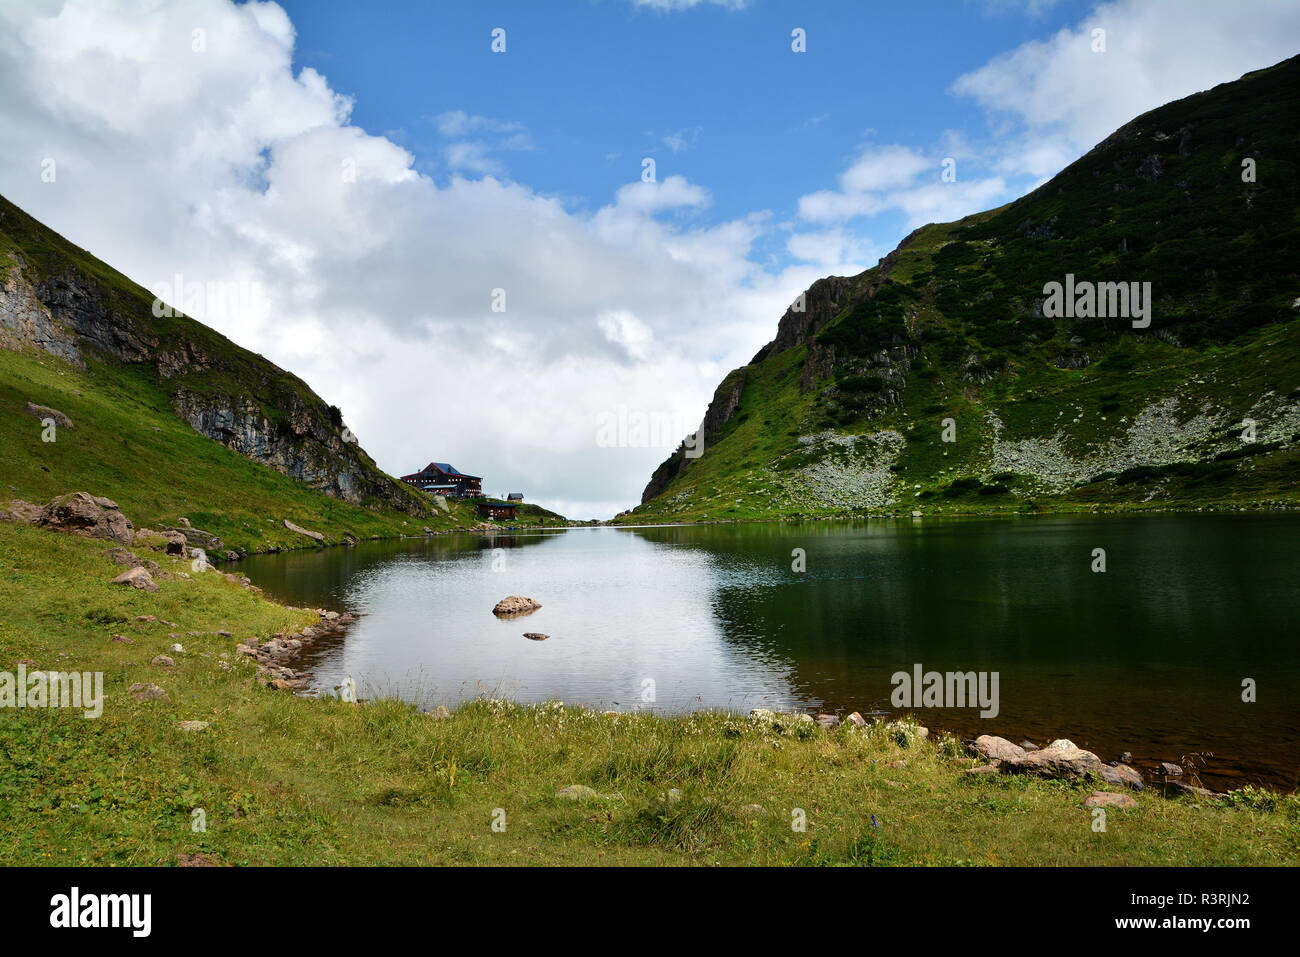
(92,516)
(297,442)
(827,298)
(820,364)
(80,304)
(24,320)
(818,305)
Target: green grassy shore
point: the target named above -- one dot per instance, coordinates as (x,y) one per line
(293,780)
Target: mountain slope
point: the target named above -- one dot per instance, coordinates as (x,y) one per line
(942,379)
(168,417)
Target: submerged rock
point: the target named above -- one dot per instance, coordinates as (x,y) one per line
(535,636)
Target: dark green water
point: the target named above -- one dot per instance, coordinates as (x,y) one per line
(1147,657)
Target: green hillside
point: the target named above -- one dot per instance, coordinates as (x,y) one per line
(848,409)
(169,418)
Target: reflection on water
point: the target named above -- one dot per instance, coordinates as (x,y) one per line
(1147,657)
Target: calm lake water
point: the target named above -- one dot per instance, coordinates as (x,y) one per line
(1147,657)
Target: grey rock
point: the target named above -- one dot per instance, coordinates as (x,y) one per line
(1109,799)
(93,517)
(1119,773)
(144,691)
(24,513)
(136,577)
(45,412)
(996,749)
(1057,762)
(294,527)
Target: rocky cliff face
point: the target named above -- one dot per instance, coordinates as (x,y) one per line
(299,445)
(821,303)
(818,307)
(25,321)
(726,399)
(59,301)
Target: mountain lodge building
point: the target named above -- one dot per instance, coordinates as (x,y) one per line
(442,478)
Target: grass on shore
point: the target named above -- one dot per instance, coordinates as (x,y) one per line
(288,780)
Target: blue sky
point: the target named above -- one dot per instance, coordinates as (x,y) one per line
(373,175)
(586,90)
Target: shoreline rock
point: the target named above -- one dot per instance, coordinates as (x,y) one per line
(316,537)
(274,655)
(1060,759)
